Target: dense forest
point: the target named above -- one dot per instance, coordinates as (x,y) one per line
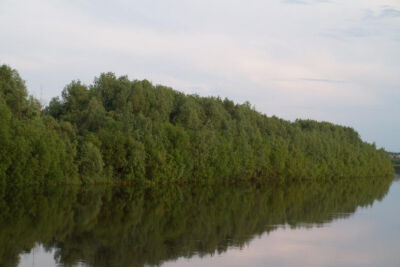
(142,226)
(118,129)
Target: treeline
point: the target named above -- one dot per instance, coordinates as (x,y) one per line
(138,226)
(122,130)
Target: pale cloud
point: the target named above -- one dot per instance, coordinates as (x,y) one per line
(303,2)
(385,13)
(323,55)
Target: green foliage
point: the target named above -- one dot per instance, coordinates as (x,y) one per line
(91,162)
(122,130)
(33,148)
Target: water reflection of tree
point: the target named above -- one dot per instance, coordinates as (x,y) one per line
(104,226)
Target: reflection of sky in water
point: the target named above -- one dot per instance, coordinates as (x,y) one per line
(41,258)
(370,237)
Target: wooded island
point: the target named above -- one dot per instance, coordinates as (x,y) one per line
(118,129)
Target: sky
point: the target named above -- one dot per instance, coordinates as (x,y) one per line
(327,60)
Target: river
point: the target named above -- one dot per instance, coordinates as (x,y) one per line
(338,224)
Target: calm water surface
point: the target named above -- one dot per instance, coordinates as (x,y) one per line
(346,224)
(369,237)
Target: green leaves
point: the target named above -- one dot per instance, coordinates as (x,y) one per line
(118,129)
(91,162)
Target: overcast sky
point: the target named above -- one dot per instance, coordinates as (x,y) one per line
(335,60)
